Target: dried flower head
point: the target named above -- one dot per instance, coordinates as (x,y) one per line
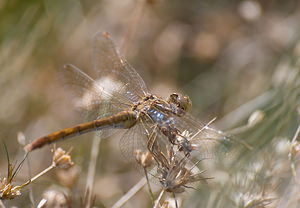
(174,173)
(145,159)
(7,190)
(53,198)
(61,158)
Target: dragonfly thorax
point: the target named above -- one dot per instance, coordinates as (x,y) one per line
(144,104)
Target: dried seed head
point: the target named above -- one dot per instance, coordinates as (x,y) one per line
(144,159)
(176,180)
(173,172)
(53,198)
(7,191)
(61,158)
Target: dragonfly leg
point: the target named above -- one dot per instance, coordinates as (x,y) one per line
(152,139)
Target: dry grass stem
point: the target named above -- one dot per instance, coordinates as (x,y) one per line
(145,160)
(2,204)
(138,186)
(243,111)
(7,189)
(92,167)
(88,200)
(156,204)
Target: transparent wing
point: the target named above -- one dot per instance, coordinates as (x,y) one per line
(133,139)
(208,142)
(108,63)
(89,96)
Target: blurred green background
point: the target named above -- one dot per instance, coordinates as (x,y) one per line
(222,54)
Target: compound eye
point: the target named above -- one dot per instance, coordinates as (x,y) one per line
(185,103)
(173,98)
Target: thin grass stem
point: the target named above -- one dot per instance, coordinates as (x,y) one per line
(92,167)
(31,197)
(138,186)
(35,177)
(159,198)
(242,112)
(2,204)
(149,187)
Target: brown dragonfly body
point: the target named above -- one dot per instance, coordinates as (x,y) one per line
(118,98)
(124,120)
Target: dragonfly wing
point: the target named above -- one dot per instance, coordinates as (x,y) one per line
(133,139)
(88,96)
(207,141)
(109,64)
(106,133)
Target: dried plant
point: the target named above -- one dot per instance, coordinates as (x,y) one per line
(61,159)
(174,169)
(7,189)
(54,198)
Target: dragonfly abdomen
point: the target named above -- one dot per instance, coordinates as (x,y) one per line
(125,119)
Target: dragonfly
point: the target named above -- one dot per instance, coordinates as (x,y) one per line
(117,98)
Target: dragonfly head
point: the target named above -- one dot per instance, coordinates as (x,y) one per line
(182,103)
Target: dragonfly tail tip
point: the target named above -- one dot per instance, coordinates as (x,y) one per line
(28,148)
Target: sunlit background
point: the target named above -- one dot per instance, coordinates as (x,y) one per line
(231,57)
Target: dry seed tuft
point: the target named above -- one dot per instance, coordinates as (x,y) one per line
(61,158)
(53,198)
(173,171)
(7,190)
